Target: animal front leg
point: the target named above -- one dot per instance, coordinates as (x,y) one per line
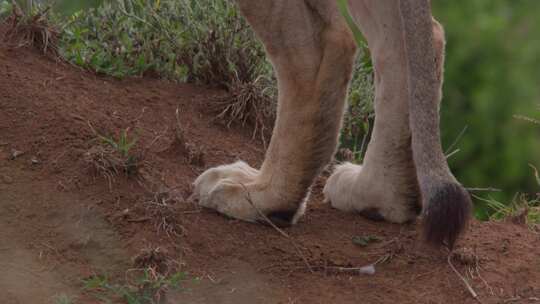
(312,51)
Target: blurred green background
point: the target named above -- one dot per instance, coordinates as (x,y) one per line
(492,81)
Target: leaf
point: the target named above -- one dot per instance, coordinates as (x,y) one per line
(95,282)
(363,241)
(344,10)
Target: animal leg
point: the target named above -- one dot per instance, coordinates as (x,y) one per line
(312,51)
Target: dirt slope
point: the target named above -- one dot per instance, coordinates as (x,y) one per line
(61,222)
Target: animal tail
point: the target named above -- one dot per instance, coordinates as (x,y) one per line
(446,204)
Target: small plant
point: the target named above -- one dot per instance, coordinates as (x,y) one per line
(123,145)
(63,299)
(110,157)
(359,117)
(163,211)
(522,210)
(365,240)
(6,7)
(148,287)
(249,103)
(31,27)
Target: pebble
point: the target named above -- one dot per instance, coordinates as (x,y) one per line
(7,179)
(15,154)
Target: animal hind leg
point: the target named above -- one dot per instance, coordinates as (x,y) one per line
(386,184)
(312,51)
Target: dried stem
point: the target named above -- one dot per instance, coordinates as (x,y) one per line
(279,230)
(463,279)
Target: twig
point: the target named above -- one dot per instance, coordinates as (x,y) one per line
(139,220)
(469,288)
(452,153)
(279,230)
(179,130)
(158,137)
(368,269)
(488,189)
(458,138)
(485,282)
(528,119)
(364,141)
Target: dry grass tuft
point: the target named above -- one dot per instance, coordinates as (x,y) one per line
(164,211)
(248,103)
(193,153)
(110,157)
(155,258)
(33,30)
(467,256)
(107,162)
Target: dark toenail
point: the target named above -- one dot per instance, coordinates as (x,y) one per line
(372,214)
(281,218)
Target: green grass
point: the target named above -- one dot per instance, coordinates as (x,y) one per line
(358,120)
(185,40)
(146,288)
(5,9)
(359,117)
(122,145)
(522,206)
(124,38)
(110,156)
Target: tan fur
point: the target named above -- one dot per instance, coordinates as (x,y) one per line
(312,51)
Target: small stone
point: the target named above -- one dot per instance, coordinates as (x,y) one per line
(369,269)
(7,179)
(34,160)
(15,154)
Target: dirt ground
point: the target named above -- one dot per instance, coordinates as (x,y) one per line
(62,221)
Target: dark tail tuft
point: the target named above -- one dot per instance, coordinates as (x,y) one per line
(446,215)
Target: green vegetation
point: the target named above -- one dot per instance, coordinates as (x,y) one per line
(147,288)
(492,75)
(120,39)
(109,156)
(123,145)
(521,209)
(491,81)
(63,299)
(365,240)
(5,8)
(180,40)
